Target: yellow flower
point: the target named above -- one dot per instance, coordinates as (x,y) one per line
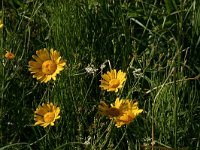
(121,112)
(46,114)
(9,55)
(46,65)
(129,114)
(112,111)
(112,80)
(1,24)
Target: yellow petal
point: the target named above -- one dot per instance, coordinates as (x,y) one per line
(34,64)
(37,59)
(106,77)
(43,54)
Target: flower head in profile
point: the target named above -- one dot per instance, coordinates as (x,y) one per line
(46,65)
(1,24)
(121,112)
(46,114)
(113,80)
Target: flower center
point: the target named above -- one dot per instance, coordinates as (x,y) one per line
(49,67)
(49,117)
(114,83)
(128,119)
(113,112)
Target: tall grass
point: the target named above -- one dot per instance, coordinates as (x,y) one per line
(155,42)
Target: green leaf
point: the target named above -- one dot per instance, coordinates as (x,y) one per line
(170,5)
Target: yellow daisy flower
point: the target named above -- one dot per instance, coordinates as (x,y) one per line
(113,80)
(121,112)
(46,114)
(46,65)
(9,55)
(1,24)
(114,110)
(129,114)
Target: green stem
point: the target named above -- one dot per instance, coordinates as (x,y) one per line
(175,111)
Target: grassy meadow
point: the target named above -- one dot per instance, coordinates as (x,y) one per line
(155,42)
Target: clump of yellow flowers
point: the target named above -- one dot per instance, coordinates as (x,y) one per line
(122,111)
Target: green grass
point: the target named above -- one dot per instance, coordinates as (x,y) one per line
(161,38)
